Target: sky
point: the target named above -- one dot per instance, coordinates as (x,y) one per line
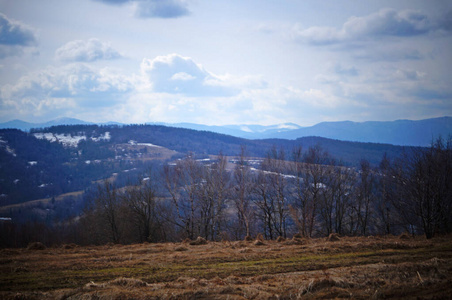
(218,62)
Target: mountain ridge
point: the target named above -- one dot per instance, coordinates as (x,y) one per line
(401,132)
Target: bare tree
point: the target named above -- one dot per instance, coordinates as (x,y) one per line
(141,199)
(314,183)
(241,193)
(364,198)
(342,186)
(213,191)
(182,183)
(264,203)
(385,211)
(300,209)
(310,191)
(106,210)
(274,167)
(424,179)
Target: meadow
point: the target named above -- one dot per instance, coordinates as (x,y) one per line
(378,267)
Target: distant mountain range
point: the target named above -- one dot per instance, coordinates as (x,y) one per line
(242,131)
(26,126)
(400,132)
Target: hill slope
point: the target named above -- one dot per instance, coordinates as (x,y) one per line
(61,159)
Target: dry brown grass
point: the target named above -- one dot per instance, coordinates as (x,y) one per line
(199,241)
(334,237)
(352,267)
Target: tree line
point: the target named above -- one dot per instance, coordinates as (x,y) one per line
(309,193)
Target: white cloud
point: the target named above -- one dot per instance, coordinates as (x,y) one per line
(165,9)
(182,76)
(86,51)
(170,88)
(176,74)
(384,23)
(75,86)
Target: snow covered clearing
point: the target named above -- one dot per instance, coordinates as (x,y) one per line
(105,137)
(70,140)
(66,140)
(273,173)
(149,145)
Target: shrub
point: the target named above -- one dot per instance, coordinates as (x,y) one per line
(294,241)
(258,243)
(199,241)
(260,237)
(404,236)
(36,246)
(248,239)
(333,237)
(280,239)
(297,236)
(69,246)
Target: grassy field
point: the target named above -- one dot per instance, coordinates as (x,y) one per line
(357,268)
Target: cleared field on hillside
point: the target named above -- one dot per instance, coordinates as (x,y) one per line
(358,268)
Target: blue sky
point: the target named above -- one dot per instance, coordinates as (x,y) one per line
(226,61)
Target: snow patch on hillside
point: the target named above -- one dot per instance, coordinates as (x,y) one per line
(8,149)
(70,140)
(66,140)
(149,145)
(132,142)
(105,137)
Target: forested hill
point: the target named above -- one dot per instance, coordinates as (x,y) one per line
(61,159)
(209,143)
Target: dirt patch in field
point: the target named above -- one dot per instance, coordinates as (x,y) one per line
(359,268)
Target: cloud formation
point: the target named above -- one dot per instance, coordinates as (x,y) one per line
(175,74)
(155,8)
(14,36)
(86,51)
(161,9)
(113,2)
(14,33)
(72,86)
(347,71)
(384,23)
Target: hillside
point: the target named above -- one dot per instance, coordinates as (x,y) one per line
(62,159)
